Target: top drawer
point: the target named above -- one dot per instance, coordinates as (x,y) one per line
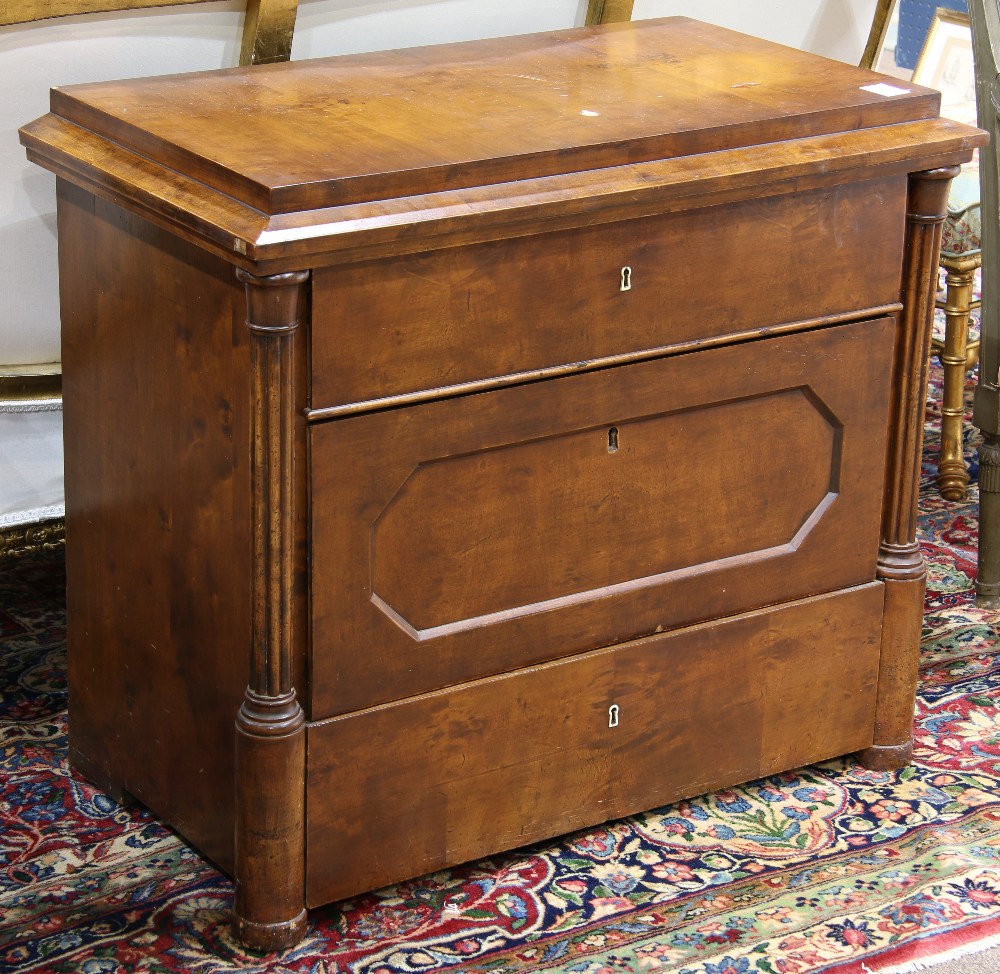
(426,322)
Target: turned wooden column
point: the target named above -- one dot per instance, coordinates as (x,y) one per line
(953,475)
(900,562)
(270,727)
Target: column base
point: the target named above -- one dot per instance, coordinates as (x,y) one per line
(886,757)
(953,480)
(270,937)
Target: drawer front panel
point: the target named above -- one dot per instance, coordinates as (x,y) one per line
(458,539)
(435,320)
(402,790)
(622,509)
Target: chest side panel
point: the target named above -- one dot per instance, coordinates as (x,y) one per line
(157,511)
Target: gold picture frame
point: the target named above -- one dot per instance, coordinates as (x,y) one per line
(946,63)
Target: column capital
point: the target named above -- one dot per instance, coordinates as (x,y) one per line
(275,303)
(928,197)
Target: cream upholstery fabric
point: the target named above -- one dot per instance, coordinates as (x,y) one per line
(31,462)
(963,227)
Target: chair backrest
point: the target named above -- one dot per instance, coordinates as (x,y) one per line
(876,36)
(609,11)
(985,18)
(267,30)
(25,11)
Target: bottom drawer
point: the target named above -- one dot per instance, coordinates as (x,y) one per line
(410,787)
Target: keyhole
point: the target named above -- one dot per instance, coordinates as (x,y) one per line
(626,279)
(613,440)
(613,715)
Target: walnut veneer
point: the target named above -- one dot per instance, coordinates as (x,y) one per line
(489,440)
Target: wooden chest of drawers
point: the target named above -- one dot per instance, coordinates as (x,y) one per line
(506,436)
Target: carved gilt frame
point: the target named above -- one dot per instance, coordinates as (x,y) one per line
(267,30)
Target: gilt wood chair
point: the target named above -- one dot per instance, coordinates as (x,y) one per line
(31,501)
(31,511)
(961,256)
(267,30)
(961,252)
(968,243)
(269,26)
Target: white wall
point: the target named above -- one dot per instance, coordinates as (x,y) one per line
(834,28)
(326,27)
(35,57)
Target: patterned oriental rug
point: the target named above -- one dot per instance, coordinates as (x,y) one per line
(828,868)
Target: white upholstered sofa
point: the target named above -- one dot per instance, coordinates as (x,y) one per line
(39,50)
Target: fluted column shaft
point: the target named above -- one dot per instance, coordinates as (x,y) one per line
(270,727)
(900,563)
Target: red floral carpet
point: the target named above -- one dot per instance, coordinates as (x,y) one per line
(830,868)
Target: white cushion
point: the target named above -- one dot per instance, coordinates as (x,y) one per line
(31,462)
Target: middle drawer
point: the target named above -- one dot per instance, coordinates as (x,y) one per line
(462,538)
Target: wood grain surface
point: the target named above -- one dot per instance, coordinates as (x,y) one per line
(157,515)
(378,126)
(492,531)
(437,320)
(501,763)
(545,493)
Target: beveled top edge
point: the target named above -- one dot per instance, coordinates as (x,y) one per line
(265,245)
(304,135)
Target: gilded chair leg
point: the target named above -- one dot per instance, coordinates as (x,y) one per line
(953,477)
(988,583)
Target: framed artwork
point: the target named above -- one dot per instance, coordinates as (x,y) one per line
(946,63)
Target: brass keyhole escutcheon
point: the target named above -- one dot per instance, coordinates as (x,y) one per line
(613,715)
(626,278)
